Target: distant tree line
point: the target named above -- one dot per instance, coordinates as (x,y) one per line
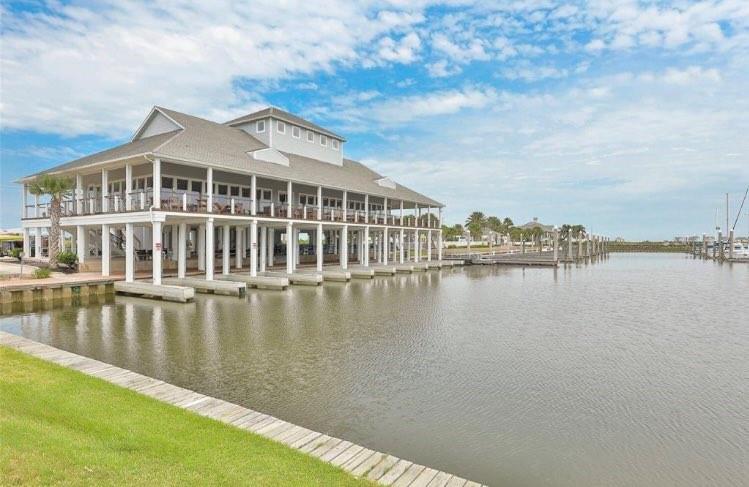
(477,223)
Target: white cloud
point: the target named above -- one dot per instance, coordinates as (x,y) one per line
(401,51)
(441,69)
(97,68)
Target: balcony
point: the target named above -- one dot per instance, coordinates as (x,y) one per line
(194,202)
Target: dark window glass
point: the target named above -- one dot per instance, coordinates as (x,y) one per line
(223,189)
(149,182)
(197,186)
(234,190)
(167,183)
(245,192)
(182,184)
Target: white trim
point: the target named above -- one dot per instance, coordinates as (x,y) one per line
(144,123)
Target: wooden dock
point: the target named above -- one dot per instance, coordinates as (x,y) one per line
(357,460)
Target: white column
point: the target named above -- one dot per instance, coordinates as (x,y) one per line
(263,247)
(253,195)
(253,248)
(319,202)
(26,243)
(128,186)
(157,184)
(318,247)
(345,205)
(226,248)
(385,210)
(209,189)
(24,200)
(289,247)
(295,247)
(289,199)
(417,246)
(401,242)
(201,247)
(386,244)
(271,245)
(104,190)
(365,245)
(441,243)
(210,253)
(239,243)
(344,246)
(105,250)
(366,208)
(182,250)
(156,250)
(80,232)
(78,194)
(37,242)
(429,242)
(129,253)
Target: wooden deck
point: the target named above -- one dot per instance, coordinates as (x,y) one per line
(355,459)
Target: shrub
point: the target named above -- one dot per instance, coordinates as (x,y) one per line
(68,259)
(41,273)
(16,253)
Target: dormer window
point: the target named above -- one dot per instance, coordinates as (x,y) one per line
(323,140)
(281,127)
(310,136)
(260,126)
(296,132)
(334,144)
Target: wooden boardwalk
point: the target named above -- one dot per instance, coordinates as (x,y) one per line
(359,461)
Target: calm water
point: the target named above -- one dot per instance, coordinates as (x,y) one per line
(631,371)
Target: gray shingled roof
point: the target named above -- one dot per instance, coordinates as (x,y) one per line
(131,149)
(225,147)
(285,116)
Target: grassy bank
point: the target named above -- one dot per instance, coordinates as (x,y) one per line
(646,247)
(61,426)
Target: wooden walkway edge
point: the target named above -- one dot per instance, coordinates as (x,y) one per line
(359,461)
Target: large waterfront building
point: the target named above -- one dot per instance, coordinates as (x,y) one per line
(265,191)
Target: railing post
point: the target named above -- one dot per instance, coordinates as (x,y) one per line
(184,201)
(232,206)
(272,209)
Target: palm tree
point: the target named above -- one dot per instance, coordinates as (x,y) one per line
(475,223)
(56,188)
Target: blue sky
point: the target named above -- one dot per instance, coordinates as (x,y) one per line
(629,117)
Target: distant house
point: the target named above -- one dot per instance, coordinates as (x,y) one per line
(10,239)
(535,223)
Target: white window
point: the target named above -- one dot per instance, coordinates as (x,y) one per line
(323,140)
(334,144)
(296,132)
(260,126)
(281,127)
(310,136)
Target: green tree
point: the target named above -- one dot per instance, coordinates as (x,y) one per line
(56,188)
(475,222)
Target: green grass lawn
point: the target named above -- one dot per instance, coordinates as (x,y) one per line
(59,426)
